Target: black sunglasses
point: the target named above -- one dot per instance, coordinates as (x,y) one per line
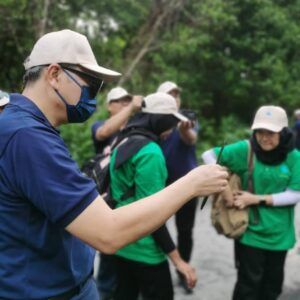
(93,83)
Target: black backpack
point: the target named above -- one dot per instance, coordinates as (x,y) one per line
(97,167)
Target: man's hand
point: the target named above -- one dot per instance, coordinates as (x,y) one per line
(207,180)
(187,133)
(185,125)
(136,103)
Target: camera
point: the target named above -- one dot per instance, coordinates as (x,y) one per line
(190,114)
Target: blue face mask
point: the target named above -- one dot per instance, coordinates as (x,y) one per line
(86,105)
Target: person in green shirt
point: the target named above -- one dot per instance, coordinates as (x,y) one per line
(138,164)
(261,250)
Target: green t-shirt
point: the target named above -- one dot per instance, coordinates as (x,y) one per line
(275,229)
(147,172)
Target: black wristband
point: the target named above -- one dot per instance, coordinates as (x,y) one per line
(262,202)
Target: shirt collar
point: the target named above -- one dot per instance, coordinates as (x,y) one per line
(28,105)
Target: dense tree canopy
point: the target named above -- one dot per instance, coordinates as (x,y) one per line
(229,56)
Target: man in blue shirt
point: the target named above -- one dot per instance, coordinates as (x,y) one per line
(180,153)
(121,106)
(50,213)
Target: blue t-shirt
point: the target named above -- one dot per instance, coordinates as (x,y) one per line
(296,129)
(180,157)
(41,191)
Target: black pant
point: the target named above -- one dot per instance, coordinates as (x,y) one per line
(185,220)
(106,279)
(153,282)
(260,273)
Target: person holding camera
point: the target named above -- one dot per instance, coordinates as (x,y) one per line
(180,146)
(120,105)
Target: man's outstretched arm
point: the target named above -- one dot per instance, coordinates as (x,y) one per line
(109,230)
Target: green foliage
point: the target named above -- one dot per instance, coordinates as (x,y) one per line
(230,57)
(230,131)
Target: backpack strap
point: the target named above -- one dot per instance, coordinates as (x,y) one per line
(128,147)
(125,150)
(250,167)
(250,181)
(112,202)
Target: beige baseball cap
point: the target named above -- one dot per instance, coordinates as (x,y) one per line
(270,117)
(117,93)
(4,98)
(297,112)
(168,86)
(70,47)
(162,103)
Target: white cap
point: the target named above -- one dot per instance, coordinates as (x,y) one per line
(162,103)
(270,117)
(117,93)
(70,47)
(167,87)
(4,98)
(297,112)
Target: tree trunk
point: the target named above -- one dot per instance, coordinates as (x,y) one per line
(41,26)
(162,13)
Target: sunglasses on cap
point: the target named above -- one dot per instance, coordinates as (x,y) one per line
(93,83)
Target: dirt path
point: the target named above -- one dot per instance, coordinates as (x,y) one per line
(213,259)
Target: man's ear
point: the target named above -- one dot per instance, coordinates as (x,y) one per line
(53,73)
